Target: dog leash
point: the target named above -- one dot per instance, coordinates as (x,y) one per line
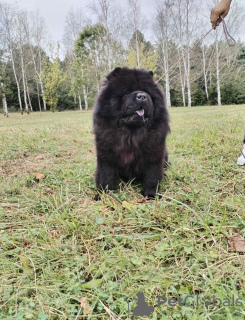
(230,40)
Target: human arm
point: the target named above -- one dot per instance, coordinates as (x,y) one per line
(222,10)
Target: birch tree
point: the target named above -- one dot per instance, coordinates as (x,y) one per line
(163,27)
(75,22)
(3,89)
(135,24)
(37,40)
(8,27)
(185,22)
(101,8)
(111,17)
(21,36)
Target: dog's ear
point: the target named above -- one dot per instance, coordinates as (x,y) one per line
(114,73)
(151,73)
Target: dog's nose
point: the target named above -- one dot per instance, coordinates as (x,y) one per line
(141,96)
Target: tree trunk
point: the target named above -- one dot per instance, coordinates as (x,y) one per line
(182,85)
(108,48)
(204,72)
(24,83)
(41,82)
(167,84)
(38,98)
(137,49)
(80,102)
(38,79)
(42,90)
(17,81)
(28,95)
(218,74)
(188,80)
(5,105)
(187,63)
(85,98)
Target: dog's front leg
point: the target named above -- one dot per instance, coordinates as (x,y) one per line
(106,176)
(152,176)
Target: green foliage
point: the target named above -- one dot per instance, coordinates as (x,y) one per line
(147,55)
(88,39)
(4,83)
(52,77)
(137,38)
(148,58)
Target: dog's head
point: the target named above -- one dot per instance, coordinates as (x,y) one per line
(137,109)
(131,96)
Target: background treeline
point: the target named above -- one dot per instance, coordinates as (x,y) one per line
(37,75)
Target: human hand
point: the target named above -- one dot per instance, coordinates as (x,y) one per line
(221,10)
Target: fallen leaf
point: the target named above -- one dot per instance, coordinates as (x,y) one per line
(40,176)
(26,243)
(236,243)
(222,141)
(13,208)
(39,158)
(85,306)
(48,190)
(12,248)
(143,200)
(187,189)
(91,151)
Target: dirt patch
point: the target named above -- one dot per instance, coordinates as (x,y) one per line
(24,165)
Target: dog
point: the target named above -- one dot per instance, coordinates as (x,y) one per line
(131,124)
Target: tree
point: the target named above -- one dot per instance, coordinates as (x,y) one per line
(89,53)
(163,32)
(135,24)
(8,31)
(53,77)
(3,89)
(36,38)
(110,16)
(147,54)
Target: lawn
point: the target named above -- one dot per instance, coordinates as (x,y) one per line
(64,256)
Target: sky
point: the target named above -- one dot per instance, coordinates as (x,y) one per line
(54,12)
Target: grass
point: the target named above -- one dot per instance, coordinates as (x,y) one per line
(62,255)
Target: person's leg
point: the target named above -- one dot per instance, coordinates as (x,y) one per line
(241,159)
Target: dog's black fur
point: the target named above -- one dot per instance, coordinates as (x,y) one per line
(131,124)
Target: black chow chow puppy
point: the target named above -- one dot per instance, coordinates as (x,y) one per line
(131,124)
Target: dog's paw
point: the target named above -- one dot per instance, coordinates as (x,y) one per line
(97,197)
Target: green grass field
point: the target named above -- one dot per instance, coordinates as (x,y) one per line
(62,255)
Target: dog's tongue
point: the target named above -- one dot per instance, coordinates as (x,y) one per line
(140,112)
